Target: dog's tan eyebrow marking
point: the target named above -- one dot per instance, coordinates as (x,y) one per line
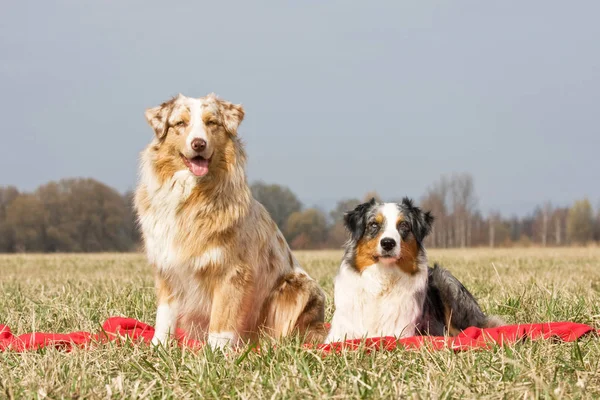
(186,115)
(379,218)
(208,115)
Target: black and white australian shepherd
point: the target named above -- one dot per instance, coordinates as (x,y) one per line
(386,288)
(224,271)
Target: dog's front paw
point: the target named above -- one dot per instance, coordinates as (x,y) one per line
(221,340)
(158,340)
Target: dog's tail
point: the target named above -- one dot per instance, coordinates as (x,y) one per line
(296,304)
(461,310)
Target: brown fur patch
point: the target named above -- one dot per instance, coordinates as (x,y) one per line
(280,240)
(185,117)
(366,251)
(296,304)
(452,331)
(310,322)
(230,302)
(409,252)
(208,116)
(273,260)
(164,292)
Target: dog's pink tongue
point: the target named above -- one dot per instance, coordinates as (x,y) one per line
(199,167)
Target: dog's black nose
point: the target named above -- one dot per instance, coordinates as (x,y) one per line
(198,144)
(388,244)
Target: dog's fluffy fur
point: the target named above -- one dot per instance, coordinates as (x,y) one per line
(384,286)
(224,271)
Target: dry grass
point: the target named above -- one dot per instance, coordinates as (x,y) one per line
(63,293)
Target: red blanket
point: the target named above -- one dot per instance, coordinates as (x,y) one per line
(472,338)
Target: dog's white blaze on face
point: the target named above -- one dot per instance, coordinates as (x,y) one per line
(390,214)
(196,128)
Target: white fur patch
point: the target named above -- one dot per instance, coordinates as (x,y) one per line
(379,302)
(221,340)
(197,129)
(214,255)
(166,322)
(390,214)
(160,225)
(299,270)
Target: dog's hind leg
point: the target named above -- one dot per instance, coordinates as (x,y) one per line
(229,307)
(296,305)
(460,308)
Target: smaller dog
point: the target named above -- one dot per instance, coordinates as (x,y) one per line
(386,288)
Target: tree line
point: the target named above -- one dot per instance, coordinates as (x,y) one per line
(84,215)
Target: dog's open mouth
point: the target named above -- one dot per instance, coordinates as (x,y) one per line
(197,165)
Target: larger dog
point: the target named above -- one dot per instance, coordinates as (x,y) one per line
(224,271)
(386,288)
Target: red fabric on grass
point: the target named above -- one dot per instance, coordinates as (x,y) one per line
(471,338)
(117,328)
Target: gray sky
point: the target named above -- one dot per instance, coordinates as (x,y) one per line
(341,97)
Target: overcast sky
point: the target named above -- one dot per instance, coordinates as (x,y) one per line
(341,97)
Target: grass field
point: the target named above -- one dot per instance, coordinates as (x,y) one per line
(64,293)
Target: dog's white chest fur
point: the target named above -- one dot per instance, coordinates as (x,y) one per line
(382,301)
(161,226)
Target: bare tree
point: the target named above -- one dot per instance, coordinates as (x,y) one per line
(435,200)
(560,221)
(493,221)
(546,214)
(464,201)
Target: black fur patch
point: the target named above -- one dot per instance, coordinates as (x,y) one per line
(355,220)
(420,222)
(356,223)
(445,294)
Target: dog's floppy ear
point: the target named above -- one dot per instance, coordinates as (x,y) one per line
(355,220)
(158,118)
(232,114)
(421,221)
(426,223)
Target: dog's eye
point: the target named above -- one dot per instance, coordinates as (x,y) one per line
(180,123)
(211,123)
(403,226)
(374,226)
